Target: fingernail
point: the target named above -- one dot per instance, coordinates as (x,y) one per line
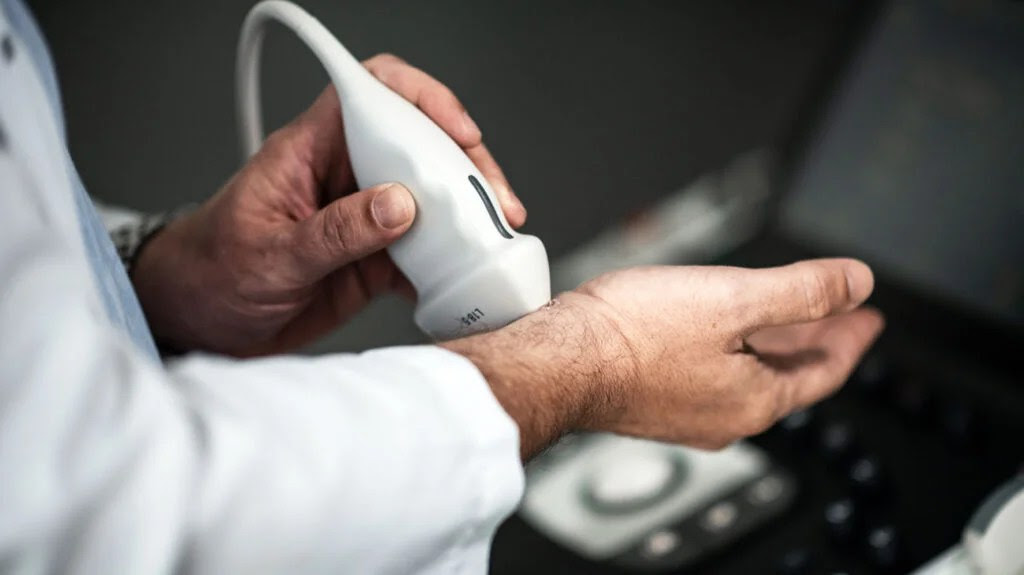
(393,207)
(859,281)
(468,124)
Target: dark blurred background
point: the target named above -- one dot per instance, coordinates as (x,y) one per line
(621,101)
(884,130)
(594,109)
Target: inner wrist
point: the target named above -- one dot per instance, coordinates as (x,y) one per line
(541,370)
(597,367)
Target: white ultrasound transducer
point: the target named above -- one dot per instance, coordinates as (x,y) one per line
(471,271)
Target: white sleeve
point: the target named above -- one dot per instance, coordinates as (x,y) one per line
(393,461)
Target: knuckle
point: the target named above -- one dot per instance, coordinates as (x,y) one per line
(735,304)
(386,67)
(447,93)
(815,288)
(338,231)
(730,293)
(440,96)
(277,140)
(387,58)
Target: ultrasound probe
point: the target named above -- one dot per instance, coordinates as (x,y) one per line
(471,271)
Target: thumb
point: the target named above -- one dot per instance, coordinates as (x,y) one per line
(805,291)
(353,227)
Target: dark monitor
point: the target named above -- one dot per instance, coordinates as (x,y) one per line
(918,166)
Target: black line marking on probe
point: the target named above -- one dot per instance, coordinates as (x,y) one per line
(490,207)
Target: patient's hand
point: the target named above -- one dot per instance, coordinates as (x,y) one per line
(694,355)
(289,248)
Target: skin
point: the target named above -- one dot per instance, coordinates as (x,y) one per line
(289,249)
(701,356)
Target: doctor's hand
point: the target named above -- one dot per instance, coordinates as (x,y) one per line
(696,355)
(289,248)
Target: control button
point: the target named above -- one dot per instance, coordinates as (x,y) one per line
(795,562)
(633,481)
(660,543)
(766,490)
(720,517)
(797,424)
(883,546)
(661,550)
(841,519)
(866,477)
(873,374)
(837,442)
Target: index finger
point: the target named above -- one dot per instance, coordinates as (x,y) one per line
(429,95)
(841,343)
(441,105)
(514,210)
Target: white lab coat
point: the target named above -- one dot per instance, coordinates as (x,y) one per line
(392,461)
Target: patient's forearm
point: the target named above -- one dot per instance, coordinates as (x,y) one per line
(543,369)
